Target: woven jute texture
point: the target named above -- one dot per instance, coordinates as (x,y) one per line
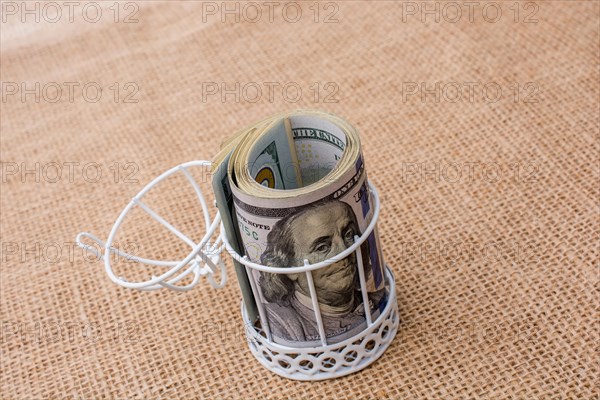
(490,200)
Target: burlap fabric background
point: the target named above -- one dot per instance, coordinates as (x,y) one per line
(495,251)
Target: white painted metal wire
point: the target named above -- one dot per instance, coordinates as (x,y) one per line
(205,258)
(325,362)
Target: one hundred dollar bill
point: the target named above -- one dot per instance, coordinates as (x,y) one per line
(293,189)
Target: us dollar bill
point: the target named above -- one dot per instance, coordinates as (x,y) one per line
(300,194)
(279,145)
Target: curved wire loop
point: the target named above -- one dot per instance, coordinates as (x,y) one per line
(307,269)
(203,260)
(322,264)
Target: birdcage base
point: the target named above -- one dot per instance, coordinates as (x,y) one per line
(332,361)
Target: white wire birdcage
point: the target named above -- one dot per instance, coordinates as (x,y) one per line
(327,360)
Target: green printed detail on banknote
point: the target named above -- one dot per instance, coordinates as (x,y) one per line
(224,202)
(266,169)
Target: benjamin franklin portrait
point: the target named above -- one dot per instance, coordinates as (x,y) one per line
(316,232)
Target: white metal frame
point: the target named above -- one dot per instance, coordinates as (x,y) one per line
(307,269)
(329,361)
(307,363)
(203,260)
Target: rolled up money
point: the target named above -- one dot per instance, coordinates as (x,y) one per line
(293,189)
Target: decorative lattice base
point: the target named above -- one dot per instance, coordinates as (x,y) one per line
(339,359)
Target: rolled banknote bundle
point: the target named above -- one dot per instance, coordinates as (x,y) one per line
(293,189)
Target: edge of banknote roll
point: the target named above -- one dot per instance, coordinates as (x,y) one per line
(292,189)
